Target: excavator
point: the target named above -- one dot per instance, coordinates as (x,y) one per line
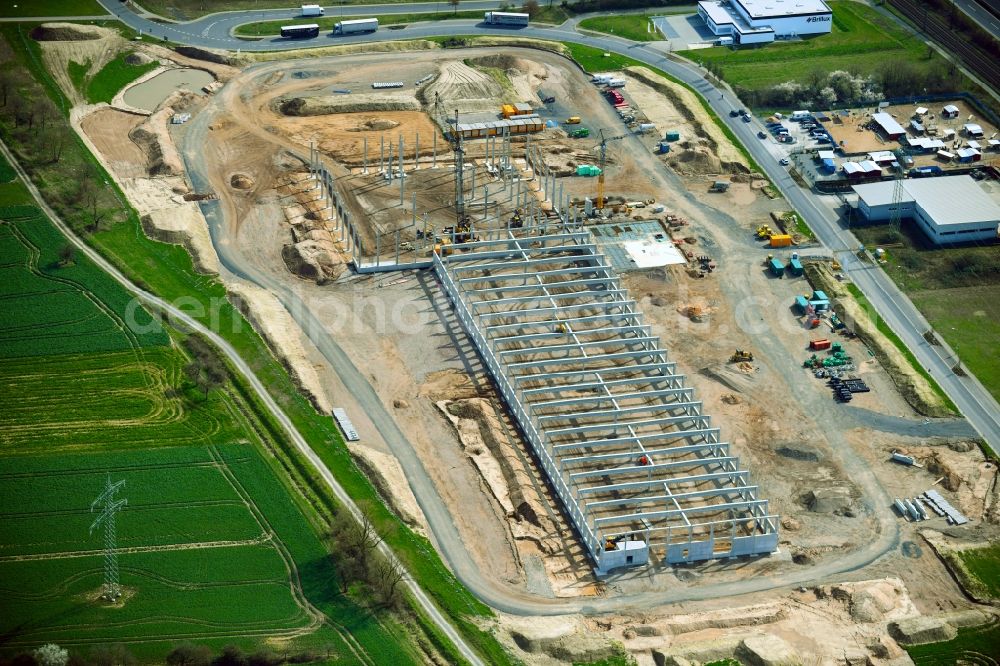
(741,355)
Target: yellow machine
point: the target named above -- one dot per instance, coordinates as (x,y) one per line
(573,120)
(443,247)
(764,231)
(741,355)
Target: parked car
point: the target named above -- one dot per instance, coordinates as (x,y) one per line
(746,119)
(761,135)
(808,126)
(733,113)
(783,161)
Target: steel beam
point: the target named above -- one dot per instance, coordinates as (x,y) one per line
(570,255)
(673,481)
(669,513)
(549,434)
(570,321)
(596,268)
(663,367)
(674,497)
(575,477)
(649,437)
(597,305)
(611,397)
(550,349)
(558,284)
(643,330)
(513,300)
(618,411)
(611,383)
(633,454)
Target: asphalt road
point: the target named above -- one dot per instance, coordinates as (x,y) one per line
(976,404)
(157,304)
(985,13)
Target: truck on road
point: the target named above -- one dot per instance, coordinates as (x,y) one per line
(356,26)
(300,31)
(513,19)
(312,10)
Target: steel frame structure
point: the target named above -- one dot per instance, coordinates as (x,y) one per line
(621,439)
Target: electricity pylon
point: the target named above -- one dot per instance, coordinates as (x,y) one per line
(110,506)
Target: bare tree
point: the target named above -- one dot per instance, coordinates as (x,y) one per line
(8,83)
(530,7)
(354,543)
(386,576)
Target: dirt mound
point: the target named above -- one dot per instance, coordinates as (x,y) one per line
(69,32)
(922,630)
(374,125)
(138,59)
(697,160)
(314,260)
(326,104)
(241,182)
(464,88)
(153,139)
(219,58)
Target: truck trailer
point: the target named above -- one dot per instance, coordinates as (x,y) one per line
(356,26)
(300,31)
(312,10)
(513,19)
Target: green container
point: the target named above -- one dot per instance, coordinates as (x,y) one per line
(673,135)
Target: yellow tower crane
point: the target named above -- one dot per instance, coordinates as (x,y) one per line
(600,178)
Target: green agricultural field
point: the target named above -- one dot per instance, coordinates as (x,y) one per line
(213,546)
(973,645)
(114,76)
(984,565)
(955,288)
(629,26)
(861,40)
(12,191)
(52,8)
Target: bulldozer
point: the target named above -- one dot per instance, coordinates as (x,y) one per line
(741,355)
(764,232)
(443,246)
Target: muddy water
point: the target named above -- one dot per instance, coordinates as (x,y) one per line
(148,94)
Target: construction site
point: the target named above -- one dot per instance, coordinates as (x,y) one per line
(576,343)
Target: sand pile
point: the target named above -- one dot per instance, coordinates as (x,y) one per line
(325,104)
(464,88)
(696,160)
(153,139)
(69,32)
(374,125)
(240,181)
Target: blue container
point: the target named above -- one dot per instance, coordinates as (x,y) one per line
(801,304)
(795,268)
(663,148)
(777,268)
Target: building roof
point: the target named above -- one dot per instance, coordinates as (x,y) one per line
(951,108)
(967,152)
(869,167)
(716,12)
(882,156)
(926,144)
(888,123)
(851,168)
(826,154)
(973,128)
(759,9)
(937,197)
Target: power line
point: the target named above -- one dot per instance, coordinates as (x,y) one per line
(110,507)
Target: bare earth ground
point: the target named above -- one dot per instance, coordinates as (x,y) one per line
(401,334)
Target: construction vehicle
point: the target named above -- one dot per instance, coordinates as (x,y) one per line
(741,355)
(573,120)
(580,133)
(443,247)
(516,221)
(599,202)
(643,461)
(764,232)
(549,100)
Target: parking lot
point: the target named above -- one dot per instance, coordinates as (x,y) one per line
(686,31)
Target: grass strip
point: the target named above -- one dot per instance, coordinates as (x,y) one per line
(890,335)
(114,76)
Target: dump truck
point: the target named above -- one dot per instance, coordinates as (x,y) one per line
(356,26)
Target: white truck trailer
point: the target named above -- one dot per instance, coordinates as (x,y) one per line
(506,18)
(312,10)
(356,26)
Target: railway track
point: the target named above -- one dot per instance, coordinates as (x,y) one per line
(938,29)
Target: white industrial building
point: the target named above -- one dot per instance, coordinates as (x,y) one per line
(762,21)
(933,204)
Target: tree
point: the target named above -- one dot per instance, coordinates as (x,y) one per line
(188,654)
(530,7)
(231,656)
(353,545)
(8,83)
(51,655)
(66,254)
(454,5)
(386,576)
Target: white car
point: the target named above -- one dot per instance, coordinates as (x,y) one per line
(783,161)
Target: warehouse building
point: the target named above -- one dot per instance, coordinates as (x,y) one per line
(761,21)
(931,203)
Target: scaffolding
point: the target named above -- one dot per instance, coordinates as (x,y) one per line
(639,470)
